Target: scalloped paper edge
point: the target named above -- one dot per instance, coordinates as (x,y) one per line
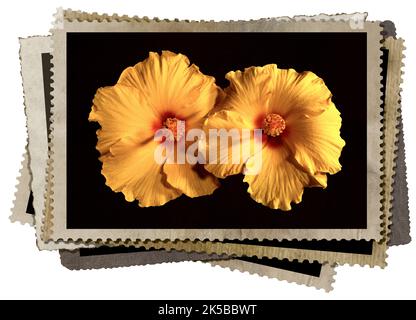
(22,194)
(73,261)
(325,281)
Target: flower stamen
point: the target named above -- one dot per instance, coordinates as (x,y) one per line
(273,124)
(177,127)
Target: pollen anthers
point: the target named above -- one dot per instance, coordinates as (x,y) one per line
(176,127)
(273,124)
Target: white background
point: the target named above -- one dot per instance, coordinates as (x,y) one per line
(27,273)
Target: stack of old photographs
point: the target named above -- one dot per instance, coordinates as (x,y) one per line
(92,190)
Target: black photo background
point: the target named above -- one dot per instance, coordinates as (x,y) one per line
(97,59)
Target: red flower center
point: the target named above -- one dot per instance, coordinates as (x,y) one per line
(177,127)
(273,125)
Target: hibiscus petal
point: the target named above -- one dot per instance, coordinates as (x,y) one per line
(319,180)
(250,91)
(130,168)
(297,94)
(121,113)
(192,180)
(222,152)
(172,86)
(279,181)
(316,142)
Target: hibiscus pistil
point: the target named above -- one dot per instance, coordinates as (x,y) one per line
(176,127)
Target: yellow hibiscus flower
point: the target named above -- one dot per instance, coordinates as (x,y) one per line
(300,126)
(156,93)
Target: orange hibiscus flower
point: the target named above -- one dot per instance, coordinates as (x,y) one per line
(300,126)
(156,93)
